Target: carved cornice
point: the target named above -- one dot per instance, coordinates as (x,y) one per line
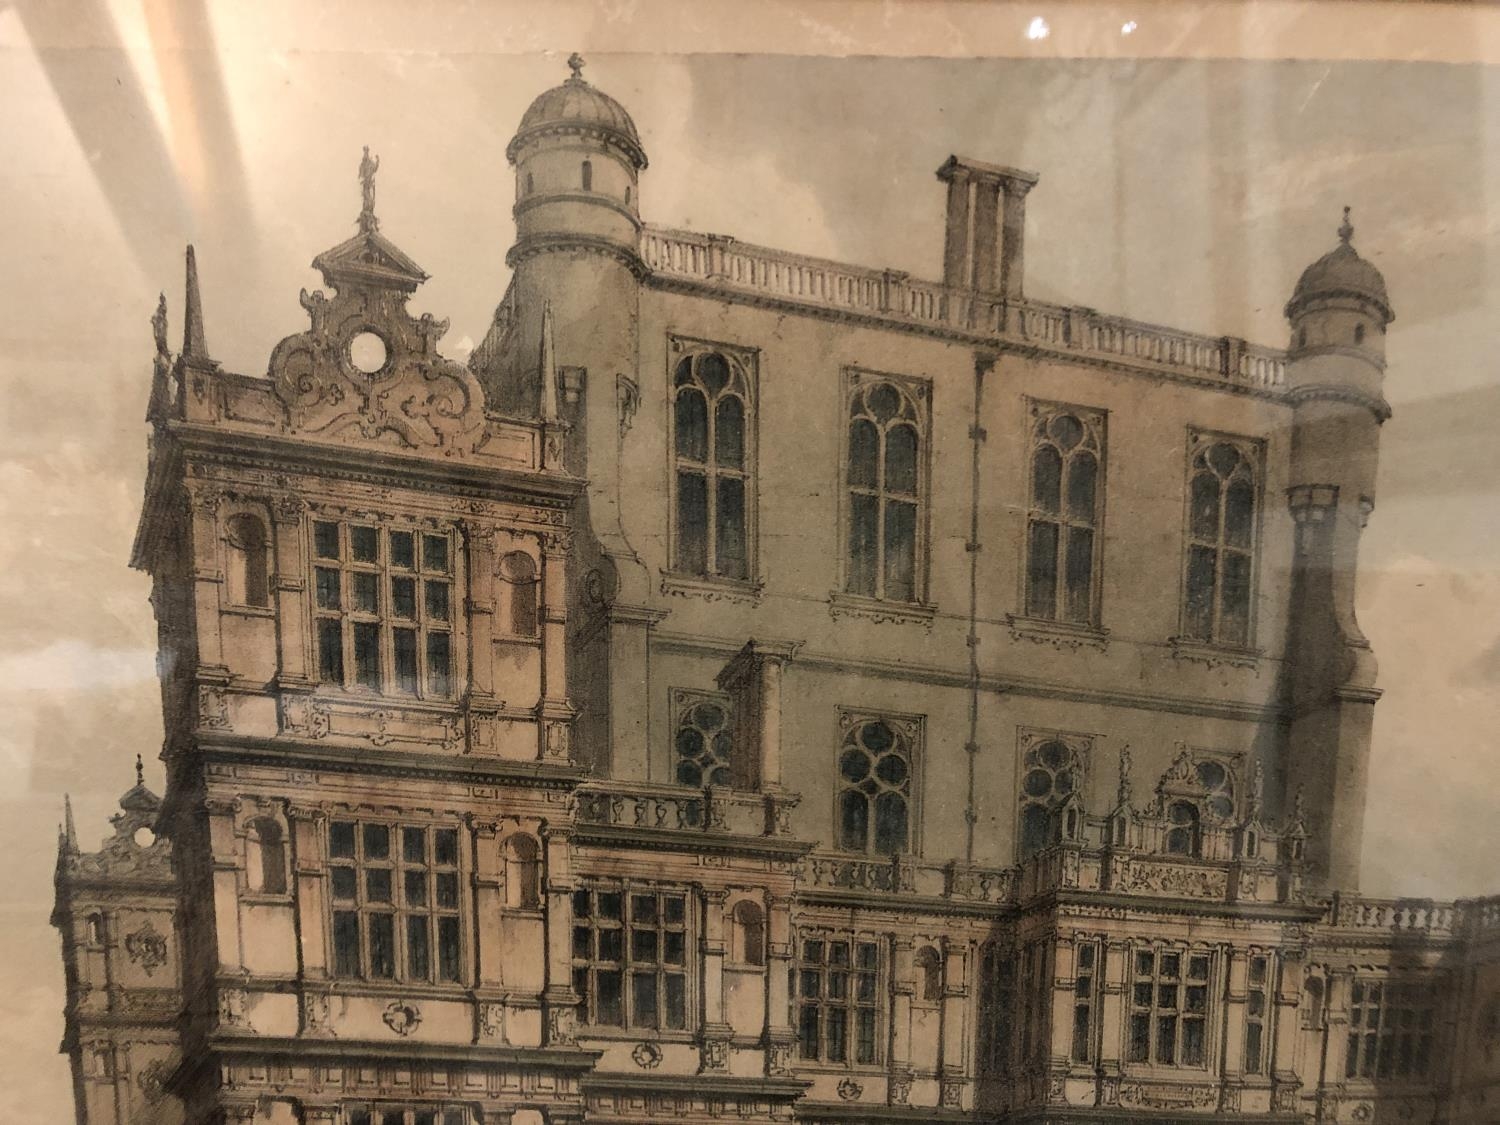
(1337,392)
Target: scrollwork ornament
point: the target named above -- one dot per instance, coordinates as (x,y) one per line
(850,1090)
(402,1017)
(646,1055)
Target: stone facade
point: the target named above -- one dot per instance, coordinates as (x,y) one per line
(734,694)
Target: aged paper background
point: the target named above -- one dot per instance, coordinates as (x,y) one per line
(1174,189)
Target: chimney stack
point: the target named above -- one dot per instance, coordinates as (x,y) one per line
(984,247)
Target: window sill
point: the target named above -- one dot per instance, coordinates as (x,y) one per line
(260,898)
(743,591)
(635,1034)
(1058,634)
(1215,655)
(518,639)
(249,611)
(881,611)
(815,1066)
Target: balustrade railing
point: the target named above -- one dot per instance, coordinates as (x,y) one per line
(893,295)
(677,809)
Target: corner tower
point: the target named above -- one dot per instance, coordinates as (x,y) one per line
(568,330)
(1335,374)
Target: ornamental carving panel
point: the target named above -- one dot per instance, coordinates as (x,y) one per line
(147,948)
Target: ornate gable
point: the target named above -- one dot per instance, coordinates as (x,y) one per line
(367,371)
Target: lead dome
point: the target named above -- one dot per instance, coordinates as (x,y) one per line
(576,107)
(1341,273)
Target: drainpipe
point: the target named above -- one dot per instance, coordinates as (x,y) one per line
(984,362)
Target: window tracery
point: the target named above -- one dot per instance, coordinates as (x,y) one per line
(1062,532)
(885,478)
(1224,482)
(877,760)
(713,478)
(1052,774)
(703,747)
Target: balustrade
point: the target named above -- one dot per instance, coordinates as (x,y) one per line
(891,295)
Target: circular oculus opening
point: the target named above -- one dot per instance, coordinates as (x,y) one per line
(368,353)
(144,837)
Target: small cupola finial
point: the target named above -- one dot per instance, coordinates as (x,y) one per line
(368,166)
(575,64)
(140,771)
(1346,229)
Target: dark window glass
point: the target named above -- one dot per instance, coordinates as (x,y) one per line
(448,959)
(1041,591)
(1046,480)
(692,425)
(435,553)
(864,454)
(330,651)
(366,591)
(405,645)
(729,433)
(346,943)
(364,544)
(863,544)
(403,550)
(1200,593)
(692,523)
(437,600)
(404,598)
(326,540)
(418,960)
(900,551)
(327,582)
(367,654)
(731,547)
(341,839)
(382,945)
(439,664)
(901,460)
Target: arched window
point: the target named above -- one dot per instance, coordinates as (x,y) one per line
(249,570)
(266,862)
(712,483)
(875,771)
(1359,333)
(704,743)
(530,183)
(885,481)
(1302,337)
(588,175)
(749,946)
(523,873)
(1222,516)
(93,929)
(1184,835)
(1062,551)
(627,195)
(929,974)
(518,571)
(1051,773)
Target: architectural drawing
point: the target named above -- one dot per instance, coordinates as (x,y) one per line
(760,688)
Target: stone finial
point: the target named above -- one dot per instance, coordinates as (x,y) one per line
(576,65)
(1346,229)
(368,166)
(140,771)
(159,326)
(194,345)
(1124,793)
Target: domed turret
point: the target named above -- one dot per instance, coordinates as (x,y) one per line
(578,159)
(1340,303)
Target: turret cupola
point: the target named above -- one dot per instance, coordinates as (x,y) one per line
(578,161)
(1340,305)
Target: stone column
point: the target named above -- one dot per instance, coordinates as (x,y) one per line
(1064,976)
(224,849)
(956,240)
(554,713)
(753,678)
(479,609)
(488,903)
(778,1036)
(716,1032)
(903,989)
(1115,973)
(986,235)
(309,883)
(559,1002)
(208,581)
(289,583)
(1013,238)
(954,1065)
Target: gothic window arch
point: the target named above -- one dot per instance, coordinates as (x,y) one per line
(1063,540)
(703,747)
(265,866)
(876,797)
(885,481)
(1052,772)
(518,572)
(1184,829)
(1224,496)
(523,873)
(749,933)
(713,485)
(249,561)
